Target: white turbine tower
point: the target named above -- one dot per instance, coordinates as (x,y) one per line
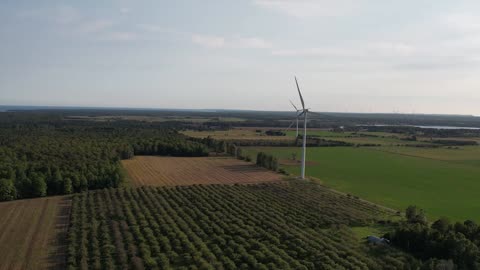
(304,112)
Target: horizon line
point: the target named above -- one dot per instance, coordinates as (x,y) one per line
(209,110)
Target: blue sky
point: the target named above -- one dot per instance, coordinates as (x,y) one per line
(349,55)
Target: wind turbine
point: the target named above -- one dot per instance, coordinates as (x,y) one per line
(304,112)
(296,115)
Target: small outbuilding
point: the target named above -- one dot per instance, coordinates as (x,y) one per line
(377,241)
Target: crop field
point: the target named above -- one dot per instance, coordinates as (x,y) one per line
(252,134)
(287,225)
(32,233)
(173,171)
(236,134)
(444,182)
(380,138)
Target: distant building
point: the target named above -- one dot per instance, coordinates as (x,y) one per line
(375,240)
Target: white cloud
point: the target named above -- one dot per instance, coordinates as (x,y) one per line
(151,27)
(391,48)
(154,28)
(215,42)
(463,22)
(124,10)
(315,52)
(309,8)
(357,50)
(209,41)
(105,30)
(250,43)
(119,36)
(58,14)
(66,15)
(95,26)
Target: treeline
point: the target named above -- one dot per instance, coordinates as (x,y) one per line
(319,142)
(276,143)
(262,160)
(443,245)
(272,132)
(267,161)
(455,142)
(312,141)
(426,132)
(217,146)
(64,157)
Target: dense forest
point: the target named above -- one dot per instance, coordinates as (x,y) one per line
(60,157)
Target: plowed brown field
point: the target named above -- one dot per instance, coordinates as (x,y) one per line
(32,233)
(175,171)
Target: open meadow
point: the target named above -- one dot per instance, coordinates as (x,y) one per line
(236,134)
(444,182)
(258,134)
(32,233)
(174,171)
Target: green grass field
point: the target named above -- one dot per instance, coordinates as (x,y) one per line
(444,182)
(384,141)
(320,133)
(380,138)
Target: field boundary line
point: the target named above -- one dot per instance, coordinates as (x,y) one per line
(320,182)
(410,155)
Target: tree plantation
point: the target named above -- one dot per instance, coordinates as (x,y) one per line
(266,226)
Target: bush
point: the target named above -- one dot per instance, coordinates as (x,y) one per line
(7,190)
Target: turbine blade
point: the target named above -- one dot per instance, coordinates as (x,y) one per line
(317,114)
(291,124)
(300,93)
(294,106)
(300,114)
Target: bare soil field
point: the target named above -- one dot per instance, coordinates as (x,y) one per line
(33,233)
(173,171)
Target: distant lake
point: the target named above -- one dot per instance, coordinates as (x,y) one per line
(431,127)
(447,127)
